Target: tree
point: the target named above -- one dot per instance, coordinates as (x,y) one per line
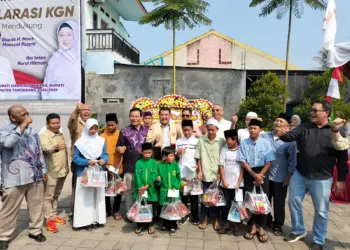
(175,14)
(293,8)
(265,97)
(321,59)
(317,91)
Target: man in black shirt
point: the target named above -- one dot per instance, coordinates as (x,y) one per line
(316,159)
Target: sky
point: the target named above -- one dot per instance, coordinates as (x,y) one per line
(235,19)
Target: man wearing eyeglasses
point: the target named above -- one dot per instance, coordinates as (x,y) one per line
(314,172)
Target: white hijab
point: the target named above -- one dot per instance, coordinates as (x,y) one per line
(90,146)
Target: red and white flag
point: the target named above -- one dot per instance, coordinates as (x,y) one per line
(329,26)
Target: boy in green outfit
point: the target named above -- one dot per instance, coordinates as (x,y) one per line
(169,179)
(146,172)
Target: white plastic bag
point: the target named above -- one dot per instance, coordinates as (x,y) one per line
(233,214)
(145,212)
(257,203)
(170,211)
(196,187)
(94,177)
(111,186)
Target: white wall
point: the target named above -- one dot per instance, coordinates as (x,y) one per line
(118,27)
(102,62)
(252,60)
(181,58)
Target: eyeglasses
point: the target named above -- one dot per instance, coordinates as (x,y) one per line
(316,110)
(186,116)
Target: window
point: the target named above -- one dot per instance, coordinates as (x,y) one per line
(104,25)
(196,63)
(107,14)
(113,20)
(102,10)
(95,21)
(220,61)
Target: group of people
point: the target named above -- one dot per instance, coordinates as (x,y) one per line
(155,157)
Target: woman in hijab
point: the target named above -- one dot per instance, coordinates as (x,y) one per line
(89,206)
(64,66)
(295,121)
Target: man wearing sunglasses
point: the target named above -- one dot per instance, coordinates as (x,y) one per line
(314,172)
(223,125)
(187,115)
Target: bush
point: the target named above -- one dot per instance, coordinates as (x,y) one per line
(265,97)
(318,87)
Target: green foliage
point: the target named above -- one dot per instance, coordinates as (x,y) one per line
(265,97)
(318,87)
(177,13)
(282,7)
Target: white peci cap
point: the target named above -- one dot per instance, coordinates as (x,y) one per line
(251,114)
(212,121)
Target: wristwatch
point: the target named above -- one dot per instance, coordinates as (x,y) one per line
(335,130)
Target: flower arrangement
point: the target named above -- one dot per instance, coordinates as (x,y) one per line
(203,106)
(143,103)
(173,101)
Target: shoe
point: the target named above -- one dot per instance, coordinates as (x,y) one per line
(315,246)
(51,227)
(94,226)
(294,237)
(163,230)
(60,221)
(183,221)
(4,245)
(38,238)
(172,231)
(195,222)
(88,228)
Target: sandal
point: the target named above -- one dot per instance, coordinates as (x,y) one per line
(223,230)
(278,232)
(217,226)
(203,225)
(262,237)
(237,231)
(249,235)
(117,217)
(151,230)
(138,230)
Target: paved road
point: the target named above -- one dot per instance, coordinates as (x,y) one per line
(120,235)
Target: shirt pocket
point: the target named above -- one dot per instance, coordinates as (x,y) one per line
(250,156)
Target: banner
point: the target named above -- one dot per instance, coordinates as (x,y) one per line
(40,55)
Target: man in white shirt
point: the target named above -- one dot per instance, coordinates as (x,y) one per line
(223,124)
(243,133)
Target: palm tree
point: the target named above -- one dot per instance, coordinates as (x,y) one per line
(293,8)
(176,14)
(321,59)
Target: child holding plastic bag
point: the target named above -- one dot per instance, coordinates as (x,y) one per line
(146,172)
(231,175)
(185,149)
(89,204)
(169,181)
(256,155)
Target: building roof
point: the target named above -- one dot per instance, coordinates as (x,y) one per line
(238,43)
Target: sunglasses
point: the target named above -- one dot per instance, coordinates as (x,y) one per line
(186,116)
(316,110)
